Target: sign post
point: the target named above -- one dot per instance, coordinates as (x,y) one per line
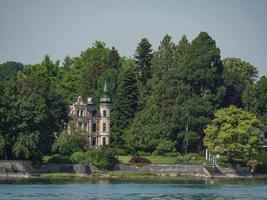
(213,164)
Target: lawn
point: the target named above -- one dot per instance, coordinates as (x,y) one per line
(162,160)
(153,159)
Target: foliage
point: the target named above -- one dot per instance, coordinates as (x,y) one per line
(68,143)
(233,133)
(143,56)
(102,158)
(57,158)
(2,145)
(10,68)
(27,147)
(139,159)
(126,103)
(78,157)
(164,147)
(237,76)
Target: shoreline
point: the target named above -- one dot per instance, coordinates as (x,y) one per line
(127,176)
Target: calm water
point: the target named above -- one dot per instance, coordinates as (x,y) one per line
(152,190)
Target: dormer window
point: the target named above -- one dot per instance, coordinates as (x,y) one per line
(104,113)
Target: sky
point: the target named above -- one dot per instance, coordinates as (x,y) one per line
(30,29)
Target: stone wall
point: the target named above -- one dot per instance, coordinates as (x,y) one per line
(163,168)
(19,168)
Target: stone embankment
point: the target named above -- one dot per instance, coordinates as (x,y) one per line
(17,168)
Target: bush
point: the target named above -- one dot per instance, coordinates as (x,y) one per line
(102,158)
(165,146)
(222,160)
(68,143)
(139,159)
(57,158)
(78,158)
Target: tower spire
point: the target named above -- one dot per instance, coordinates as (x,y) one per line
(105,87)
(105,97)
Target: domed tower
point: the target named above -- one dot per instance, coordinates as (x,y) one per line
(104,107)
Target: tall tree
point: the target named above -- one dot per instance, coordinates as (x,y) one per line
(142,56)
(126,103)
(200,91)
(94,62)
(32,111)
(114,58)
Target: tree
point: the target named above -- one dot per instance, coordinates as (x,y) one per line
(237,75)
(69,143)
(114,58)
(126,103)
(27,147)
(67,64)
(32,109)
(233,133)
(199,91)
(10,68)
(142,56)
(93,61)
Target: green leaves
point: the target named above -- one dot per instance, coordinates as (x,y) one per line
(233,133)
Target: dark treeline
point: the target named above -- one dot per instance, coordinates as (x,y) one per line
(162,98)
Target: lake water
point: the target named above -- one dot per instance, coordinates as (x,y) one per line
(131,190)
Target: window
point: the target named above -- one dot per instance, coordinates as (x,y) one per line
(85,126)
(80,125)
(104,127)
(94,127)
(104,140)
(94,141)
(77,112)
(81,112)
(104,113)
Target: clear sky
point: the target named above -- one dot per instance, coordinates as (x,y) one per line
(29,29)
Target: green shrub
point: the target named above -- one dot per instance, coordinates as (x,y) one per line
(222,160)
(78,158)
(57,158)
(165,146)
(102,158)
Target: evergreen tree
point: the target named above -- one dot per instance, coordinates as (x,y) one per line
(113,58)
(200,91)
(142,56)
(126,103)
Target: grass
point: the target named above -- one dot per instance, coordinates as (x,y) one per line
(153,159)
(160,160)
(58,175)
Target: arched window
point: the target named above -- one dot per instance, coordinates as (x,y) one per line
(94,127)
(104,113)
(104,127)
(104,140)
